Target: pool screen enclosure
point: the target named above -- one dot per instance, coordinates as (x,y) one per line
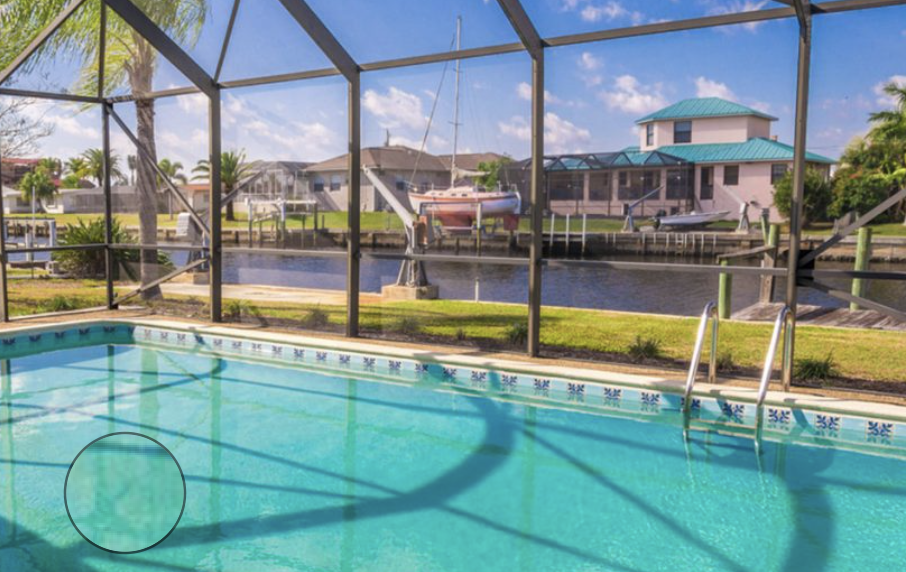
(800,271)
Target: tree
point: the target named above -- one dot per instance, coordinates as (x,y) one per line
(132,164)
(173,171)
(39,183)
(493,172)
(92,263)
(19,133)
(51,166)
(130,61)
(859,190)
(94,166)
(77,166)
(817,197)
(233,170)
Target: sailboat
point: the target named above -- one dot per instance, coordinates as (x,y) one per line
(459,206)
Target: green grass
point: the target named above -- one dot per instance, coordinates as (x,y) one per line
(577,331)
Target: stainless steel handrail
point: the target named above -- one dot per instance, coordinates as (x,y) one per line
(781,326)
(709,315)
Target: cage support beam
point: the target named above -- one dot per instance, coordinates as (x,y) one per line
(325,40)
(215,236)
(354,217)
(40,39)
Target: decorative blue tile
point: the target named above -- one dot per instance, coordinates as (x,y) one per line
(733,411)
(880,429)
(542,387)
(575,388)
(130,330)
(146,333)
(60,335)
(218,342)
(369,362)
(35,338)
(613,393)
(345,359)
(109,329)
(824,422)
(257,348)
(449,373)
(509,382)
(237,345)
(481,376)
(779,416)
(651,398)
(84,331)
(9,341)
(421,368)
(199,339)
(321,356)
(180,338)
(395,365)
(298,353)
(696,404)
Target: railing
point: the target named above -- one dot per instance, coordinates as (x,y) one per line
(709,315)
(781,327)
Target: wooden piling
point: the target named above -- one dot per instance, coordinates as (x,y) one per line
(725,294)
(863,258)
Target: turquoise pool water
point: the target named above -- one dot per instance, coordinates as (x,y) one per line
(292,468)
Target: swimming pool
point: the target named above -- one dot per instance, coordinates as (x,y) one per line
(311,458)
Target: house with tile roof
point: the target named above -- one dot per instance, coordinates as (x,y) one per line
(701,154)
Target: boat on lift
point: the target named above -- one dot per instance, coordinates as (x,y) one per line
(460,206)
(691,219)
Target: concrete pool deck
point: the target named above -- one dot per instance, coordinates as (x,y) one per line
(861,403)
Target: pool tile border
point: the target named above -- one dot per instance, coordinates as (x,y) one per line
(722,407)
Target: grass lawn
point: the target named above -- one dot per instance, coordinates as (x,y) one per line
(858,354)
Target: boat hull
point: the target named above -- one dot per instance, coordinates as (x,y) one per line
(460,209)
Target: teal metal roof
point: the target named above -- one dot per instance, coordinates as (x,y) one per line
(629,157)
(703,107)
(757,149)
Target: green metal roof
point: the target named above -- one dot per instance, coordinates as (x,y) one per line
(753,150)
(703,107)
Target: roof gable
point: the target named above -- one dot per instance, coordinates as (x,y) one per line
(703,107)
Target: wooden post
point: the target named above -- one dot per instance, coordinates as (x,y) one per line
(766,292)
(567,236)
(553,222)
(584,230)
(726,293)
(863,258)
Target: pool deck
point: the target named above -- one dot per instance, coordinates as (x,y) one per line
(744,389)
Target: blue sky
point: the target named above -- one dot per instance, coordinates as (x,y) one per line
(595,91)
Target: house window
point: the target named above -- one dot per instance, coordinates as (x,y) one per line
(731,175)
(778,172)
(566,186)
(707,184)
(318,183)
(335,182)
(400,183)
(682,132)
(649,135)
(599,187)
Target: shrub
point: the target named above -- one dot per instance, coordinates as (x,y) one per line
(517,334)
(60,304)
(811,369)
(817,199)
(858,190)
(461,335)
(92,263)
(239,309)
(316,319)
(725,361)
(407,325)
(644,349)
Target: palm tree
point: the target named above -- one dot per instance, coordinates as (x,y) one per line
(173,171)
(77,166)
(888,137)
(94,165)
(40,183)
(233,170)
(51,166)
(130,62)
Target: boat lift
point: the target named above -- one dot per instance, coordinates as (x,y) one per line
(629,225)
(412,272)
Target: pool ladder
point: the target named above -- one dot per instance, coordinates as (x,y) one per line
(781,328)
(710,314)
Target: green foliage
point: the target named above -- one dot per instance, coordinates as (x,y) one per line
(39,182)
(316,319)
(94,165)
(643,349)
(173,171)
(237,310)
(407,325)
(92,263)
(461,335)
(71,181)
(725,361)
(233,170)
(517,334)
(60,304)
(493,171)
(817,198)
(858,190)
(811,369)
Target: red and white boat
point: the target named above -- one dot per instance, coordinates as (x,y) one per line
(459,206)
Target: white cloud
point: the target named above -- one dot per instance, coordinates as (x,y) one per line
(195,104)
(630,96)
(736,7)
(705,87)
(610,11)
(524,91)
(396,108)
(560,135)
(589,62)
(884,99)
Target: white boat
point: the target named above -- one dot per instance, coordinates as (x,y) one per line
(693,218)
(458,206)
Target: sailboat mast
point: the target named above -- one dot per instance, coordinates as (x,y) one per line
(456,103)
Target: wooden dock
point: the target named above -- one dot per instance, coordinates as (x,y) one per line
(821,316)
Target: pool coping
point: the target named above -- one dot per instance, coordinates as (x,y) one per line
(602,378)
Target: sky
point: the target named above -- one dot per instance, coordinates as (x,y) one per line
(594,92)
